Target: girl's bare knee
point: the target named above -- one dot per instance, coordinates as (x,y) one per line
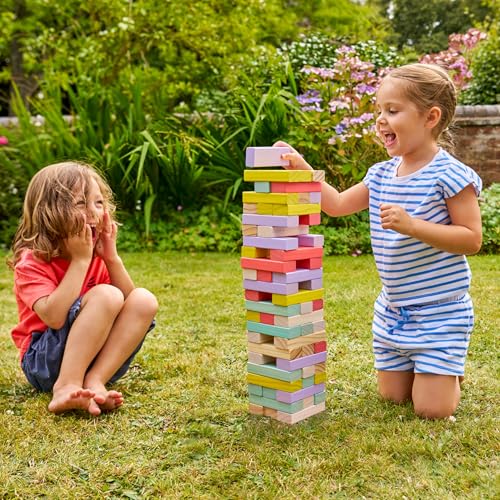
(108,296)
(394,396)
(144,302)
(430,411)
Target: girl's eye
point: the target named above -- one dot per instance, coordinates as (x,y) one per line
(392,111)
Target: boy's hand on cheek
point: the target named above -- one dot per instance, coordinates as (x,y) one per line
(106,244)
(79,245)
(396,218)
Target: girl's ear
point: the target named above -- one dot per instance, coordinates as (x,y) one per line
(433,116)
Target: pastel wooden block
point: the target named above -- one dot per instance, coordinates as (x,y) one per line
(274,372)
(274,198)
(311,240)
(277,405)
(255,389)
(267,307)
(308,371)
(256,409)
(273,383)
(320,378)
(291,397)
(257,296)
(310,219)
(311,284)
(249,230)
(274,232)
(320,397)
(302,253)
(275,331)
(299,319)
(262,187)
(306,307)
(299,342)
(249,208)
(297,209)
(269,393)
(272,243)
(266,318)
(295,187)
(314,263)
(300,363)
(286,289)
(259,338)
(254,253)
(268,349)
(320,346)
(259,359)
(252,316)
(310,198)
(317,304)
(264,275)
(278,175)
(293,418)
(270,412)
(298,276)
(308,381)
(266,157)
(268,265)
(271,220)
(319,326)
(307,402)
(249,274)
(318,176)
(296,298)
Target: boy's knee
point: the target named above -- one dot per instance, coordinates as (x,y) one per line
(144,301)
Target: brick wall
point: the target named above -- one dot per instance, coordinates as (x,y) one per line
(477,137)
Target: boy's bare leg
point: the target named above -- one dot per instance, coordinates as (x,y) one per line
(127,332)
(395,386)
(435,396)
(85,339)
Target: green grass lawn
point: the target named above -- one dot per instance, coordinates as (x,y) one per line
(184,430)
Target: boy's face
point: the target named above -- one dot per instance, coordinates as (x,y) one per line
(93,207)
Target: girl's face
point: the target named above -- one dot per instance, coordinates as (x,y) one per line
(92,206)
(401,126)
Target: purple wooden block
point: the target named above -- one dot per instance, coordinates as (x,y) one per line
(312,284)
(271,220)
(267,286)
(291,397)
(266,157)
(298,276)
(296,364)
(311,240)
(315,197)
(291,243)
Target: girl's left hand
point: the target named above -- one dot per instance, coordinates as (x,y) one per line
(106,244)
(396,218)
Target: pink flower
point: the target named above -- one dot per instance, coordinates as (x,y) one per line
(3,140)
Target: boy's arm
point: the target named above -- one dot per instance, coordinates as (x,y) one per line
(119,275)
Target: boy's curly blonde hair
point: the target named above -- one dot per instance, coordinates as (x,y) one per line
(49,211)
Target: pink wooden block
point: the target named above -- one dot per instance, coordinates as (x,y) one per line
(266,157)
(311,240)
(296,187)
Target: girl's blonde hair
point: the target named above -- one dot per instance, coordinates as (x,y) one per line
(49,211)
(429,85)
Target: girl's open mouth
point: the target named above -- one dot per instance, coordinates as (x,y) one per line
(389,140)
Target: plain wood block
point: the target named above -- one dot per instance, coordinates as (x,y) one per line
(314,263)
(311,284)
(290,243)
(298,276)
(320,397)
(301,253)
(254,253)
(255,389)
(311,240)
(250,274)
(249,230)
(249,208)
(277,405)
(291,397)
(257,296)
(307,350)
(299,342)
(273,198)
(264,156)
(271,350)
(318,176)
(320,378)
(271,220)
(310,219)
(262,187)
(269,308)
(284,289)
(320,367)
(293,418)
(252,316)
(300,319)
(259,338)
(275,331)
(308,371)
(256,409)
(274,372)
(307,402)
(276,231)
(300,363)
(295,187)
(296,298)
(309,197)
(268,265)
(259,359)
(296,209)
(278,175)
(273,383)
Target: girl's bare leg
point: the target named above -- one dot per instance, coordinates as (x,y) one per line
(87,335)
(435,396)
(395,386)
(127,332)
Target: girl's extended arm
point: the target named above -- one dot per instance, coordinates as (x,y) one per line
(333,203)
(463,236)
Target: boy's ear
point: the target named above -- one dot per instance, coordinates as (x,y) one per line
(433,116)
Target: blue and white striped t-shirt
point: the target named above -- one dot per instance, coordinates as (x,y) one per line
(413,272)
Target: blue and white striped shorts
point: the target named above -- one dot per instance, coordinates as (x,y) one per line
(428,338)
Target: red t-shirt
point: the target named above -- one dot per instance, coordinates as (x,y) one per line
(34,279)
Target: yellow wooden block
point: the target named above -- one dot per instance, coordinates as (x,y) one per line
(320,378)
(298,209)
(265,208)
(278,175)
(269,349)
(254,253)
(274,383)
(274,198)
(253,316)
(297,298)
(299,342)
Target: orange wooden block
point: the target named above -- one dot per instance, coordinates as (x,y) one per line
(267,318)
(300,253)
(314,263)
(257,296)
(264,276)
(268,265)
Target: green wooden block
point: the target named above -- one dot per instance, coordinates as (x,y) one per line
(276,331)
(262,187)
(320,397)
(308,381)
(277,405)
(268,393)
(307,328)
(271,371)
(255,389)
(270,308)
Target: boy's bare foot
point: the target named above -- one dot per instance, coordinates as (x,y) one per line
(72,397)
(107,400)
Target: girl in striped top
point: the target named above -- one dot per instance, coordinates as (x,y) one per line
(424,219)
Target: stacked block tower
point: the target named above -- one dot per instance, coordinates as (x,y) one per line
(283,282)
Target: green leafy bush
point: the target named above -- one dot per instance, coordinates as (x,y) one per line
(490,213)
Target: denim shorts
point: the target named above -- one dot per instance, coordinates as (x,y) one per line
(42,361)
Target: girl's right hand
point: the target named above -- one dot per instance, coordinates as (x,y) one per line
(79,246)
(296,160)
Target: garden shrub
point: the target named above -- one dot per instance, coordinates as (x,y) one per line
(490,213)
